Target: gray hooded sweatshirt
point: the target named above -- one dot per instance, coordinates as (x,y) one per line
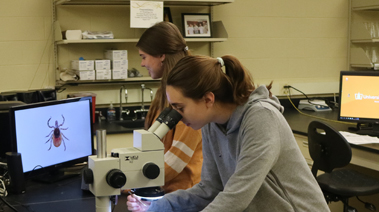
(254,164)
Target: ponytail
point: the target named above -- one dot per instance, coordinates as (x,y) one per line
(197,75)
(240,79)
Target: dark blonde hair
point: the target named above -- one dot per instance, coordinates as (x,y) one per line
(197,75)
(162,38)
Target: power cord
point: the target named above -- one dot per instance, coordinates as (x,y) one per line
(368,205)
(3,180)
(9,205)
(288,87)
(3,188)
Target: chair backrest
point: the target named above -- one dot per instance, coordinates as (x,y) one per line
(327,148)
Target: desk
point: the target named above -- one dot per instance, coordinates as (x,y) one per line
(363,155)
(66,195)
(62,196)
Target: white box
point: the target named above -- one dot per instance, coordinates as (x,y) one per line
(73,34)
(119,74)
(116,54)
(86,75)
(102,65)
(103,74)
(120,64)
(82,65)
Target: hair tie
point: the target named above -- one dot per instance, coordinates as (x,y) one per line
(221,61)
(186,48)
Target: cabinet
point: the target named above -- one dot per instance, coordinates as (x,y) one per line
(364,35)
(114,15)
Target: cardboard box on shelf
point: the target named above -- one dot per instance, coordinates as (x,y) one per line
(119,74)
(86,74)
(102,64)
(82,65)
(120,64)
(103,74)
(116,54)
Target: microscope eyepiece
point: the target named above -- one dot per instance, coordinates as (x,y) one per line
(168,122)
(159,120)
(163,114)
(172,118)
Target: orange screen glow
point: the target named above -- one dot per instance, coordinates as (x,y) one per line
(360,96)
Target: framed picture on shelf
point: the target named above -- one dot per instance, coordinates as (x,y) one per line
(196,25)
(167,14)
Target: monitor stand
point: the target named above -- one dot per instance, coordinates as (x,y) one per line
(54,176)
(371,130)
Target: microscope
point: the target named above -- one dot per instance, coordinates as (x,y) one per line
(140,166)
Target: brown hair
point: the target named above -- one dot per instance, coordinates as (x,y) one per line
(162,38)
(197,75)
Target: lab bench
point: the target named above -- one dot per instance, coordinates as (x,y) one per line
(67,196)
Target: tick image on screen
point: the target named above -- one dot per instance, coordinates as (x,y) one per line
(56,135)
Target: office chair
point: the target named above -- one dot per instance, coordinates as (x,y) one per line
(329,150)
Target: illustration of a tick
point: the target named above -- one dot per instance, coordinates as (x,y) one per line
(56,135)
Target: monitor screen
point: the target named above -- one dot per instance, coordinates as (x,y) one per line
(52,135)
(359,99)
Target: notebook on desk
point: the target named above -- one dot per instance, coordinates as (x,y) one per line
(359,139)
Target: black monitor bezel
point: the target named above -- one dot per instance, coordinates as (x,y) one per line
(55,167)
(355,73)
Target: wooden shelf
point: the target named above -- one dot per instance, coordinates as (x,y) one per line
(127,2)
(107,82)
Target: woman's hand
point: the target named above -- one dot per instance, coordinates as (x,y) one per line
(135,204)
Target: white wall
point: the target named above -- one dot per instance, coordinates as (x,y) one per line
(296,42)
(26,50)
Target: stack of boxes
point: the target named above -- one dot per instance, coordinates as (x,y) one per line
(114,66)
(119,63)
(103,69)
(85,69)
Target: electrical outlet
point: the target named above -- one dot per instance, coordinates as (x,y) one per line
(285,89)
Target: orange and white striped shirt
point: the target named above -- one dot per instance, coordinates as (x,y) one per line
(183,157)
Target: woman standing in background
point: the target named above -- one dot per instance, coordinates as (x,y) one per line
(161,47)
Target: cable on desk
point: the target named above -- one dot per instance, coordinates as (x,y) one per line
(308,99)
(3,188)
(317,117)
(3,180)
(9,205)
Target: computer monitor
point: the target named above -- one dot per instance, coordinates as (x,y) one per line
(359,100)
(52,135)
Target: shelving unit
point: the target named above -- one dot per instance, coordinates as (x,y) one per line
(70,49)
(361,43)
(218,32)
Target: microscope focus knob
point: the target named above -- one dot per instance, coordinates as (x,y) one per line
(151,170)
(87,175)
(116,178)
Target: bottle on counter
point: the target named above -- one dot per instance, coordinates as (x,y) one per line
(111,113)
